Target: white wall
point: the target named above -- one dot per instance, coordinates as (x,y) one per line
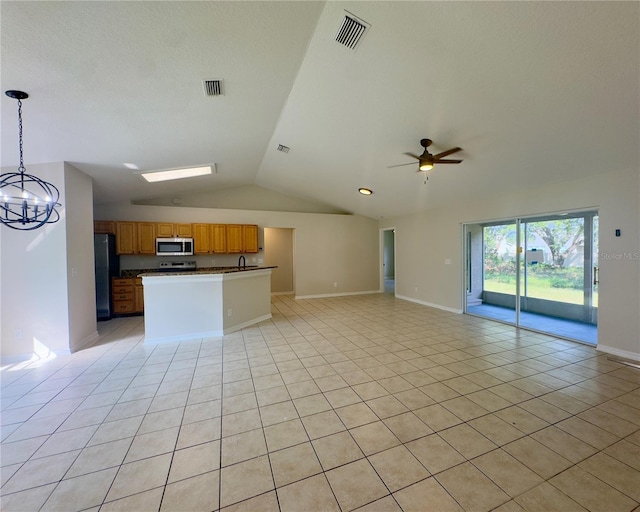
(426,240)
(81,282)
(341,249)
(36,289)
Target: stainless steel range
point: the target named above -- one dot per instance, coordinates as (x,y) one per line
(180,266)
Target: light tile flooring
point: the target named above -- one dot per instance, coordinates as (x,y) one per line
(366,402)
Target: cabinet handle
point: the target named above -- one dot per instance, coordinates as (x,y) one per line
(596,276)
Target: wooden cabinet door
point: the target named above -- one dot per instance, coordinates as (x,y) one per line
(146,237)
(165,229)
(234,238)
(126,237)
(183,230)
(250,238)
(138,296)
(104,226)
(219,237)
(201,244)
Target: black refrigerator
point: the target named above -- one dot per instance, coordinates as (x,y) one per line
(107,267)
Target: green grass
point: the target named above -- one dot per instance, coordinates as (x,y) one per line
(540,289)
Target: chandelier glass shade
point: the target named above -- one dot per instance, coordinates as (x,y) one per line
(26,201)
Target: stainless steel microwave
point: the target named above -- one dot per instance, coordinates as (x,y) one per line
(174,246)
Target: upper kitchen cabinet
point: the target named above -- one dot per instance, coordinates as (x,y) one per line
(250,238)
(146,232)
(126,237)
(218,238)
(242,238)
(234,238)
(172,230)
(183,230)
(104,227)
(201,238)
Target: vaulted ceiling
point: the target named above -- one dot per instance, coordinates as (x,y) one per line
(534,92)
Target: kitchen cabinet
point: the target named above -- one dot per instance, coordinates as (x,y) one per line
(146,237)
(123,295)
(126,239)
(183,230)
(249,238)
(138,295)
(165,229)
(234,238)
(173,230)
(104,227)
(218,238)
(242,238)
(201,238)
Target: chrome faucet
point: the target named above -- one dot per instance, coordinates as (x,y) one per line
(242,262)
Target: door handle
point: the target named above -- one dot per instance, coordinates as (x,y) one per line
(596,277)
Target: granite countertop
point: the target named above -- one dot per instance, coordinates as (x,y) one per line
(202,270)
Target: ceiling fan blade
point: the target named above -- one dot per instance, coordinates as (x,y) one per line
(400,165)
(447,161)
(447,153)
(413,155)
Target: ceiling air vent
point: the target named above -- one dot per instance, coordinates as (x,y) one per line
(213,87)
(282,148)
(351,31)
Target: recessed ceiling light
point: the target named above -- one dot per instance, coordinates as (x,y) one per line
(176,174)
(133,167)
(365,191)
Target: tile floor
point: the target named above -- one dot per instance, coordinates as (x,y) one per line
(366,402)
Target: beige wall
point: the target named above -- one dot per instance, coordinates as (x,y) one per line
(425,241)
(278,252)
(340,249)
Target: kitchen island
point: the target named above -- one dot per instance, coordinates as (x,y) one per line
(204,303)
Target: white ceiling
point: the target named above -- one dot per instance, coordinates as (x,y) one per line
(532,91)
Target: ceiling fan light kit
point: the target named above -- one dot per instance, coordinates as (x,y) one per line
(427,161)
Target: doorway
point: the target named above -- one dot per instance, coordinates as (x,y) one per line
(388,259)
(278,252)
(540,273)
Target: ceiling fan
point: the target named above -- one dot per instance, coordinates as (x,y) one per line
(426,160)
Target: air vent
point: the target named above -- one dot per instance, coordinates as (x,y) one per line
(283,149)
(351,31)
(213,87)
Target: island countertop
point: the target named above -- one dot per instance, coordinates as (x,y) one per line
(203,270)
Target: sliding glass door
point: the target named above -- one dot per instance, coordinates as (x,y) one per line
(537,272)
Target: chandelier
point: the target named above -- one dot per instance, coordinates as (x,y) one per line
(26,201)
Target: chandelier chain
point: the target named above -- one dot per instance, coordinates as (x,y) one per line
(21,166)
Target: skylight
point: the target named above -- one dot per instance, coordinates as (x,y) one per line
(176,174)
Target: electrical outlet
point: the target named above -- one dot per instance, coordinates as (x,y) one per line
(416,289)
(335,285)
(229,312)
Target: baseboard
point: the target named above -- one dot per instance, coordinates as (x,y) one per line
(326,295)
(184,337)
(283,293)
(430,304)
(253,321)
(623,354)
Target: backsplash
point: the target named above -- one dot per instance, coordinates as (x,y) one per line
(141,261)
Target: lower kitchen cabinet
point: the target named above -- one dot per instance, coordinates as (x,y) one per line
(138,296)
(128,296)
